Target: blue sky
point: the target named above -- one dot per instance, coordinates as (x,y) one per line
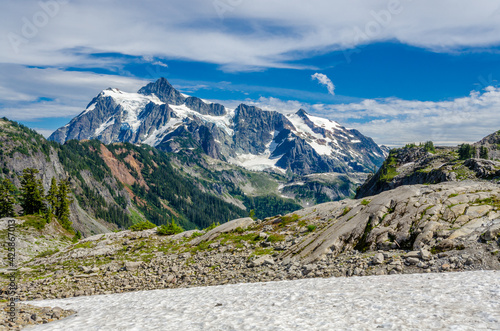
(398,70)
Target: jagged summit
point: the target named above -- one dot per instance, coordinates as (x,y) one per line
(164,91)
(161,116)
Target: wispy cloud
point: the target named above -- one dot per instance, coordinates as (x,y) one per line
(324,80)
(396,122)
(195,31)
(52,92)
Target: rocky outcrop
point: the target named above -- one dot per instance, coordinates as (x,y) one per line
(201,107)
(436,228)
(241,223)
(415,165)
(164,91)
(254,128)
(492,144)
(29,315)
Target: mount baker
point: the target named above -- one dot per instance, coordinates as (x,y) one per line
(161,116)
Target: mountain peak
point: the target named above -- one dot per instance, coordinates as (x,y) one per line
(301,112)
(164,91)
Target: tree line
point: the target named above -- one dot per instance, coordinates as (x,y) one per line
(33,199)
(466,151)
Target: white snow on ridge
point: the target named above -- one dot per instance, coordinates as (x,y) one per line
(325,123)
(89,109)
(104,126)
(256,162)
(132,104)
(157,136)
(445,301)
(222,122)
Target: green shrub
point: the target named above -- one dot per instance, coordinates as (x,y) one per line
(169,229)
(34,221)
(275,238)
(365,202)
(311,228)
(196,234)
(429,147)
(48,252)
(141,226)
(345,211)
(76,237)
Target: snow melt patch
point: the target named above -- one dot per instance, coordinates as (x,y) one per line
(256,162)
(445,301)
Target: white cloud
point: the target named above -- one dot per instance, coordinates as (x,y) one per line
(159,63)
(269,34)
(396,122)
(324,80)
(67,93)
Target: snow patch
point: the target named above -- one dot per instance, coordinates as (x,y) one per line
(157,136)
(132,105)
(222,122)
(256,162)
(104,126)
(444,301)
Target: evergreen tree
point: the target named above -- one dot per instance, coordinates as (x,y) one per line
(7,198)
(483,153)
(62,205)
(429,147)
(51,199)
(466,151)
(32,192)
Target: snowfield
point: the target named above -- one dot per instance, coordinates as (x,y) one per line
(449,301)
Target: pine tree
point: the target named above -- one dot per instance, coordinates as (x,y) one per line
(51,199)
(466,151)
(32,192)
(429,147)
(62,205)
(7,198)
(483,153)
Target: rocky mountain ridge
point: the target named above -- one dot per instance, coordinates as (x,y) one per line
(161,116)
(120,184)
(412,165)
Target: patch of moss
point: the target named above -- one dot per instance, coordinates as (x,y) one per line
(275,238)
(48,252)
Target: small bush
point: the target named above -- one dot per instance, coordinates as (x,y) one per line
(365,202)
(275,238)
(429,147)
(169,229)
(345,211)
(311,228)
(76,237)
(141,226)
(196,234)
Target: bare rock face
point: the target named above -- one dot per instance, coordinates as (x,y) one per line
(416,165)
(242,223)
(164,91)
(415,217)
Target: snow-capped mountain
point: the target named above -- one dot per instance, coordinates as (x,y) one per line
(161,116)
